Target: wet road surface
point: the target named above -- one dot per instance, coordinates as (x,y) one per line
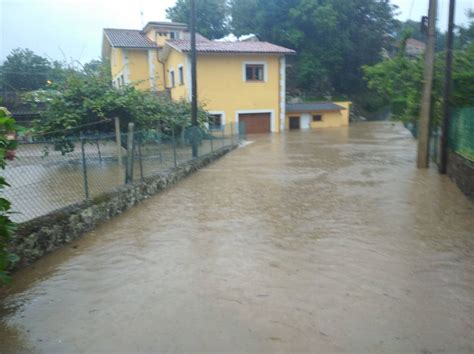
(328,240)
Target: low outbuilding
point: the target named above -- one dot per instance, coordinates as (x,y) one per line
(317,115)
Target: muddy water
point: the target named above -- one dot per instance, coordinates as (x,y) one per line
(308,241)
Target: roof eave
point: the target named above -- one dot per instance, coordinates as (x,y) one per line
(236,52)
(165,52)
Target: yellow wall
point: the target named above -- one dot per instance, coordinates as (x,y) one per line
(160,75)
(175,58)
(138,68)
(116,61)
(221,83)
(330,119)
(222,87)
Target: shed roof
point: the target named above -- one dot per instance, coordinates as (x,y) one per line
(313,106)
(126,38)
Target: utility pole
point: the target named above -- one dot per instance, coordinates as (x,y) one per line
(193,80)
(424,125)
(447,89)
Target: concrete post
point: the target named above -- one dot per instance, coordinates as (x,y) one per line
(129,174)
(118,141)
(424,126)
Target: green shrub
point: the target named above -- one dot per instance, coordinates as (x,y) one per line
(7,227)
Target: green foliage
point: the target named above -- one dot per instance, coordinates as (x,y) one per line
(466,34)
(399,82)
(211,19)
(87,97)
(7,227)
(414,29)
(24,70)
(333,38)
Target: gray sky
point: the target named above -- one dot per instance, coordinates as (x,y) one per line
(72,29)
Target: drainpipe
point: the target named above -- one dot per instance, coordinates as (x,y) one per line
(164,70)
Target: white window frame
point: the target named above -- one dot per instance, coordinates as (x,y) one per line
(181,74)
(265,70)
(176,35)
(172,77)
(222,114)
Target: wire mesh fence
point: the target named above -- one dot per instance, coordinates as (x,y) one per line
(461,132)
(44,179)
(435,139)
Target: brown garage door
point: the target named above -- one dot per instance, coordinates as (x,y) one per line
(256,123)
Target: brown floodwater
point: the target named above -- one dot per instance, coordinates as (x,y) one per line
(329,240)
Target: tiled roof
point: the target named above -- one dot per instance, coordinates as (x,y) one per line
(230,47)
(415,43)
(125,38)
(166,23)
(313,106)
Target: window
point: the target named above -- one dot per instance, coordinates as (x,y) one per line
(181,75)
(172,80)
(254,72)
(174,35)
(317,118)
(215,121)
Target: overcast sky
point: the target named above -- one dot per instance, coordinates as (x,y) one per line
(72,29)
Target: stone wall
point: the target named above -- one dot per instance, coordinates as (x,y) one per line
(461,171)
(43,235)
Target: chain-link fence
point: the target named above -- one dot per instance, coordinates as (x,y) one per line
(44,179)
(461,132)
(435,139)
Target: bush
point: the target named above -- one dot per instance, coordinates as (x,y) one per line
(87,97)
(7,227)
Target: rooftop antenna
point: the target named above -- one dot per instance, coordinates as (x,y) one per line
(141,13)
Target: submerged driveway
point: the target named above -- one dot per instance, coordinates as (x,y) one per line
(319,241)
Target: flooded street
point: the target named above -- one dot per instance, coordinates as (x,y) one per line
(320,241)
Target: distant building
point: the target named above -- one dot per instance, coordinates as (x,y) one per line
(415,48)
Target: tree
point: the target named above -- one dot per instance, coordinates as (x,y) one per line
(466,34)
(86,98)
(399,82)
(23,70)
(414,29)
(7,227)
(333,38)
(212,16)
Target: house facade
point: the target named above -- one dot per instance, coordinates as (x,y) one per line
(237,81)
(317,115)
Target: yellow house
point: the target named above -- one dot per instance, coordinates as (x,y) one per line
(237,81)
(317,115)
(243,81)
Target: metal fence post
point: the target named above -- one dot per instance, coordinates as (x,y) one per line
(98,150)
(139,146)
(223,136)
(232,134)
(84,169)
(129,175)
(118,141)
(212,139)
(174,147)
